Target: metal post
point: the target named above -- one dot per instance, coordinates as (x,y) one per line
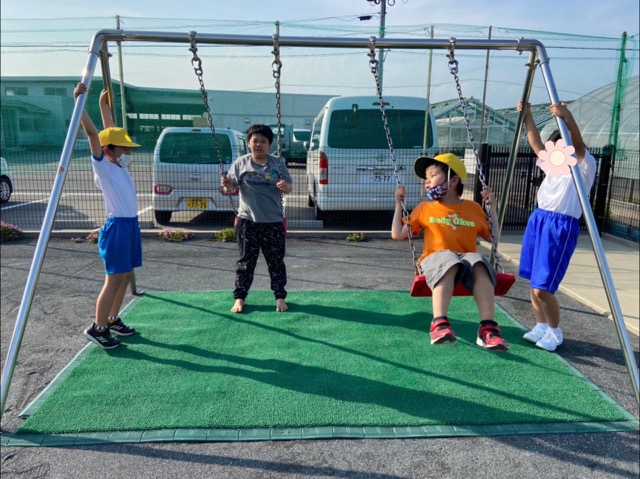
(515,145)
(601,259)
(45,231)
(484,94)
(123,105)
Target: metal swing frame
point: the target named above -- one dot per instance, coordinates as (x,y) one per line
(419,287)
(99,46)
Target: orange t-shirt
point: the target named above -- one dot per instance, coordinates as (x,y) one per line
(452,227)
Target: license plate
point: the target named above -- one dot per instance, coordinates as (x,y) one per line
(378,178)
(197,203)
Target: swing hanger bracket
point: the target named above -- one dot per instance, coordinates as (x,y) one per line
(195,61)
(373,62)
(276,64)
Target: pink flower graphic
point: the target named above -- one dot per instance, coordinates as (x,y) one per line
(556,159)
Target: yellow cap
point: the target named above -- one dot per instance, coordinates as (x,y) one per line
(116,137)
(452,161)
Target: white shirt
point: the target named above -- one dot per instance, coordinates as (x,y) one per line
(117,187)
(559,194)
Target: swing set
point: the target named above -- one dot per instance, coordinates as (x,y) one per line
(537,57)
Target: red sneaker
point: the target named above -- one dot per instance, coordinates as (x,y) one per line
(489,336)
(441,332)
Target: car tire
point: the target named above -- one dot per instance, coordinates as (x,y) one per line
(5,189)
(319,214)
(163,217)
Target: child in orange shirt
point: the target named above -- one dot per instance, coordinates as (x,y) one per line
(451,227)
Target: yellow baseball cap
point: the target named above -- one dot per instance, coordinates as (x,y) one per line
(452,161)
(116,137)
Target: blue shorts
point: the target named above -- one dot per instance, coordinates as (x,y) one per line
(120,245)
(548,244)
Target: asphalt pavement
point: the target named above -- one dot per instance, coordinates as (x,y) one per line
(63,303)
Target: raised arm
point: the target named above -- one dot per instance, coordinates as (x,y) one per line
(533,135)
(399,230)
(105,110)
(87,124)
(561,110)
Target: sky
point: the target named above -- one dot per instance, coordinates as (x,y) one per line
(581,64)
(591,17)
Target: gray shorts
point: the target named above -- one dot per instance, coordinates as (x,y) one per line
(437,264)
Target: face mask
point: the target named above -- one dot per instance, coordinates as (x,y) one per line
(436,193)
(124,160)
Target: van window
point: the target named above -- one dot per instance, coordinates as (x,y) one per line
(199,148)
(301,135)
(363,128)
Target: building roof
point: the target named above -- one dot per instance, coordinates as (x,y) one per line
(8,102)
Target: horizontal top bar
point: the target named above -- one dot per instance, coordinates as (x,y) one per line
(518,45)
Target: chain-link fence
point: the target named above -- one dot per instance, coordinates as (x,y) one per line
(155,87)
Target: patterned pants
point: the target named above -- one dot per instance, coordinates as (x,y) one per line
(253,237)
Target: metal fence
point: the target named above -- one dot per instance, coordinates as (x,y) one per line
(615,196)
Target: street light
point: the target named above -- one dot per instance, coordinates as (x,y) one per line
(383,13)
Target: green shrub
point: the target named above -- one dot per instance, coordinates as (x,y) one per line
(9,232)
(176,236)
(227,235)
(356,237)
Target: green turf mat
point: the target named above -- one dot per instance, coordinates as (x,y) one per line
(337,364)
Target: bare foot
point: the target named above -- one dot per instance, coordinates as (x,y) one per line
(238,306)
(281,306)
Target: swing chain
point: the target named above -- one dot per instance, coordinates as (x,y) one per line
(373,65)
(277,69)
(453,69)
(197,67)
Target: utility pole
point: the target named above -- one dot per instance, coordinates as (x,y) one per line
(383,14)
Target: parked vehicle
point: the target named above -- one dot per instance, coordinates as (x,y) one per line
(349,165)
(186,170)
(298,148)
(286,132)
(6,181)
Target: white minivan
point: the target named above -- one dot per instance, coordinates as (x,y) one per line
(186,169)
(349,165)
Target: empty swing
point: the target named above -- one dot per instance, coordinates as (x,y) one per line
(419,287)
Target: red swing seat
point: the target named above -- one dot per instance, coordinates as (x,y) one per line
(504,281)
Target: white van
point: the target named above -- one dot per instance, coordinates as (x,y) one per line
(349,165)
(186,169)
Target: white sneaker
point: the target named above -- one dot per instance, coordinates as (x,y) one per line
(550,341)
(536,333)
